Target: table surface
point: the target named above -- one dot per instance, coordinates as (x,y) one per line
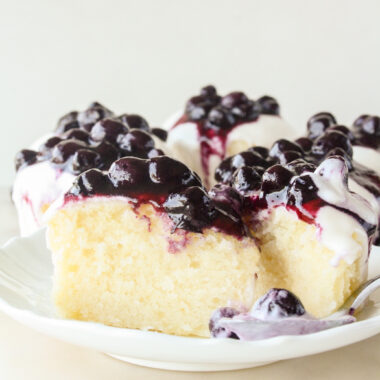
(27,354)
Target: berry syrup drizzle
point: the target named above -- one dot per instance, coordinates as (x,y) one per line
(216,116)
(170,187)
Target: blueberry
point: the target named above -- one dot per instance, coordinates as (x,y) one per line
(301,166)
(136,143)
(261,150)
(283,145)
(215,330)
(302,190)
(67,122)
(108,154)
(46,148)
(133,121)
(129,172)
(25,157)
(330,140)
(359,121)
(209,92)
(246,179)
(155,153)
(305,143)
(318,124)
(227,199)
(91,182)
(221,118)
(198,107)
(268,105)
(276,304)
(160,133)
(85,159)
(77,134)
(190,209)
(109,130)
(93,114)
(172,173)
(276,178)
(234,99)
(289,156)
(344,130)
(371,125)
(227,167)
(65,149)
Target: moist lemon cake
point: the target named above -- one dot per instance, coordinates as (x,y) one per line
(314,233)
(93,138)
(144,246)
(214,127)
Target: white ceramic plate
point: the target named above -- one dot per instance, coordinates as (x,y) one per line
(25,285)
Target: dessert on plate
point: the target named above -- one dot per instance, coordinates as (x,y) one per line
(145,246)
(93,138)
(213,127)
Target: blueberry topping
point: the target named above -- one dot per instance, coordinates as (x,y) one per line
(65,149)
(278,303)
(318,124)
(109,130)
(67,122)
(136,143)
(169,186)
(85,159)
(48,145)
(25,157)
(359,121)
(190,209)
(275,179)
(91,182)
(281,146)
(225,112)
(77,134)
(92,115)
(371,125)
(343,129)
(133,121)
(301,166)
(269,105)
(246,179)
(330,140)
(160,133)
(305,143)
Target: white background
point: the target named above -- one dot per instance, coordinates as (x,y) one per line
(148,57)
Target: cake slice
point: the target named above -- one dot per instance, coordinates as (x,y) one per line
(314,233)
(144,246)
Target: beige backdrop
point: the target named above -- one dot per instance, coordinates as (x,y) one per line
(149,56)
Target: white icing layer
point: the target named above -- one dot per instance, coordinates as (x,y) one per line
(35,188)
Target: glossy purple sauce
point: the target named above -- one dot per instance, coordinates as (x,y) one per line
(168,185)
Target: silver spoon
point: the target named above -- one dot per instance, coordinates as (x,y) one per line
(359,296)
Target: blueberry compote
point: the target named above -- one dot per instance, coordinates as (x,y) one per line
(288,174)
(94,138)
(215,117)
(170,187)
